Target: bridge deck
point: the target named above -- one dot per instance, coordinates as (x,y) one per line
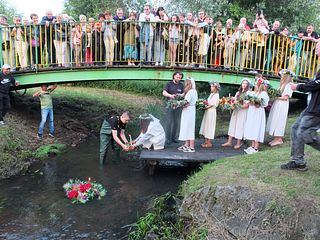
(170,156)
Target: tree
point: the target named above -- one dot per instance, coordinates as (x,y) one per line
(8,10)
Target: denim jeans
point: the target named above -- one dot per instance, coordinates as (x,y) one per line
(44,114)
(304,131)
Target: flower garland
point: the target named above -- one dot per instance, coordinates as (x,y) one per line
(201,104)
(83,191)
(254,99)
(229,103)
(176,102)
(273,93)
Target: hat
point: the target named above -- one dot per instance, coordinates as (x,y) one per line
(6,66)
(145,116)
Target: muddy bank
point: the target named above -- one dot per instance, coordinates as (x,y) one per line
(75,119)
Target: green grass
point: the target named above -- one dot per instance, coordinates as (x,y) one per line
(262,172)
(50,149)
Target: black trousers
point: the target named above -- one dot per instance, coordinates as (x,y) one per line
(4,105)
(173,118)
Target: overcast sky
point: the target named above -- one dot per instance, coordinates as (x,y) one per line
(37,6)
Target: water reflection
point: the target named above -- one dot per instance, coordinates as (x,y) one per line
(34,206)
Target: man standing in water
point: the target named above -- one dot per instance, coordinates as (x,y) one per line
(113,129)
(306,129)
(172,90)
(6,81)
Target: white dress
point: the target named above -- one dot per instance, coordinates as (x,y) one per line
(188,117)
(278,115)
(154,135)
(208,124)
(256,120)
(237,123)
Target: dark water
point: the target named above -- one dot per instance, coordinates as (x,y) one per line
(35,207)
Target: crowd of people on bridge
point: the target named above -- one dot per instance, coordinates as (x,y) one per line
(154,37)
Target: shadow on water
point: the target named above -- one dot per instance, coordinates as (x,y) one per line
(35,207)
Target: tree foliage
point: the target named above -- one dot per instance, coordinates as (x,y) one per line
(8,10)
(291,13)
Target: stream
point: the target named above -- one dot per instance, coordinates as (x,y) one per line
(34,206)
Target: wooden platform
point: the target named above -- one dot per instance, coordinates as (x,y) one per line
(170,156)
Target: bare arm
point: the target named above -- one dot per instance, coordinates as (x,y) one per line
(53,87)
(115,137)
(168,95)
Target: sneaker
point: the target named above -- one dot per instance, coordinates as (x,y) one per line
(248,149)
(252,151)
(39,137)
(182,148)
(292,165)
(189,150)
(51,135)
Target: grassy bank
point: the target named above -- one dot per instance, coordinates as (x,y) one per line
(261,172)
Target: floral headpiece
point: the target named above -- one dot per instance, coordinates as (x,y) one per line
(259,80)
(287,72)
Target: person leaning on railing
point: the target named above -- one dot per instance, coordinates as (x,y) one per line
(147,24)
(48,21)
(36,37)
(7,46)
(60,40)
(109,37)
(161,36)
(20,35)
(130,34)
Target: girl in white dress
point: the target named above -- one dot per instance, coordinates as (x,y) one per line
(279,111)
(208,124)
(188,116)
(255,125)
(238,117)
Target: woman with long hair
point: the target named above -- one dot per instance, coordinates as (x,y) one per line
(279,111)
(256,117)
(174,31)
(239,116)
(152,133)
(208,124)
(188,116)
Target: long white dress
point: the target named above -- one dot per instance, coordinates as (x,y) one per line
(277,120)
(154,135)
(256,120)
(208,124)
(237,123)
(188,117)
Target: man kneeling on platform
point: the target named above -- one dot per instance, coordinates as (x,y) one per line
(112,129)
(152,133)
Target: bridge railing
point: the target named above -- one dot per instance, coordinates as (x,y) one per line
(191,44)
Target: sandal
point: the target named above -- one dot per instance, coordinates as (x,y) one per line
(227,144)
